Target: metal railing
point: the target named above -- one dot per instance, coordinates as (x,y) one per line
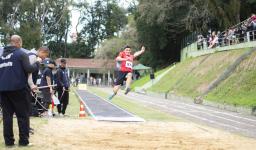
(203,44)
(192,38)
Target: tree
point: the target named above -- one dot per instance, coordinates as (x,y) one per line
(38,21)
(163,24)
(110,48)
(160,26)
(102,20)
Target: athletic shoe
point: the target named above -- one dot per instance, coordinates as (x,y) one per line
(127,91)
(111,96)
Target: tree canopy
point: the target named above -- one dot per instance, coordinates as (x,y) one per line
(163,24)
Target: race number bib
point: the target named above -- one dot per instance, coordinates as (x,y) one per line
(128,64)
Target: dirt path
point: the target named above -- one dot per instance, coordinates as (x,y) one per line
(75,134)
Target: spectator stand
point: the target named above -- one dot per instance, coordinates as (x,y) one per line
(242,35)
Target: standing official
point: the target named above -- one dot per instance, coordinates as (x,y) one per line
(14,69)
(1,52)
(62,87)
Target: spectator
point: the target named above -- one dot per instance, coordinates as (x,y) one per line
(99,81)
(200,39)
(94,81)
(137,74)
(218,42)
(253,25)
(63,85)
(77,81)
(253,21)
(214,40)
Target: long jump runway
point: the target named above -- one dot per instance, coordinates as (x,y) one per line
(103,110)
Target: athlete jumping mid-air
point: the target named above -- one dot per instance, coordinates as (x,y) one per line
(125,58)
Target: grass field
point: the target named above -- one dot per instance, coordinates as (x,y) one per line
(239,89)
(146,79)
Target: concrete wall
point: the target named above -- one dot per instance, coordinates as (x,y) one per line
(192,51)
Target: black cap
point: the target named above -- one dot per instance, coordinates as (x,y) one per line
(49,61)
(62,60)
(53,62)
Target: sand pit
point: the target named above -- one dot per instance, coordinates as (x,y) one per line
(75,134)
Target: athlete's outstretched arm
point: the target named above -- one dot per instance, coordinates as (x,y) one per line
(136,54)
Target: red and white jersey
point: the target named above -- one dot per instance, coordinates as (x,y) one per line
(126,66)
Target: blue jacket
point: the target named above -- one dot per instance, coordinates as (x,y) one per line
(14,68)
(62,78)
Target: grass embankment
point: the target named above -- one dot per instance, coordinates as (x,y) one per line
(146,79)
(147,113)
(239,89)
(192,77)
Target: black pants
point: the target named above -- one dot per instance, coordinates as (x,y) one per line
(16,102)
(121,77)
(47,98)
(64,99)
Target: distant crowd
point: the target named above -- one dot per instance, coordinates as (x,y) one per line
(242,32)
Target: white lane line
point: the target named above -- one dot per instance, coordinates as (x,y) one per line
(197,117)
(209,110)
(219,112)
(220,117)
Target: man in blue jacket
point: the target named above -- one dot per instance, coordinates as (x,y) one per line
(14,69)
(1,52)
(62,87)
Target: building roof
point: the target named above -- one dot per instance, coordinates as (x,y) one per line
(89,63)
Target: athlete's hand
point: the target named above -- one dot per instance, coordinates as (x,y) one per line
(143,49)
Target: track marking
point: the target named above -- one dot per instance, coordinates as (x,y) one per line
(202,108)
